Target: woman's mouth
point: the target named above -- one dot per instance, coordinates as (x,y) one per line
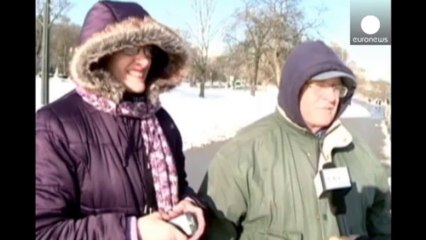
(136,73)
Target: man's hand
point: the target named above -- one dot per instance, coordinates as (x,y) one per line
(188,205)
(154,226)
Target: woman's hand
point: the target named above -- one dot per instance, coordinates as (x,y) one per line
(185,206)
(155,226)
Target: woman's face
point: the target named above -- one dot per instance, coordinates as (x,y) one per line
(130,66)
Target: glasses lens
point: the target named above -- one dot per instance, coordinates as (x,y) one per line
(131,51)
(343,91)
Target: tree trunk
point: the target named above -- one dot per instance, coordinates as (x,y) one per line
(202,88)
(277,69)
(202,83)
(256,70)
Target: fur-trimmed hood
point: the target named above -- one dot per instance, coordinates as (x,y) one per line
(111,26)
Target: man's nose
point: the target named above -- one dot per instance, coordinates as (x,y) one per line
(330,94)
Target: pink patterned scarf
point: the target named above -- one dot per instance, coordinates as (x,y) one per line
(160,157)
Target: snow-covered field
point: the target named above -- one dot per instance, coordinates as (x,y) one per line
(216,117)
(223,111)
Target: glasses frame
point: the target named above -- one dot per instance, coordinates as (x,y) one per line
(321,86)
(135,50)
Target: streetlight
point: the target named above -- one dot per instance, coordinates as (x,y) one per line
(45,66)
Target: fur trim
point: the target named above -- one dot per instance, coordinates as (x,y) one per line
(115,37)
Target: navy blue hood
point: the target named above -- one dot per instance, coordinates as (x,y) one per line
(305,61)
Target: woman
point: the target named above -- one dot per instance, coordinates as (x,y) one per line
(109,160)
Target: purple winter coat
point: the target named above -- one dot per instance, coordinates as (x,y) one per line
(92,174)
(91,166)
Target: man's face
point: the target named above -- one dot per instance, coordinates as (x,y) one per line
(319,102)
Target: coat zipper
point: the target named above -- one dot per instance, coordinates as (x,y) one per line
(319,143)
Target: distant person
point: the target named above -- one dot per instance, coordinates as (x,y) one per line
(261,185)
(109,159)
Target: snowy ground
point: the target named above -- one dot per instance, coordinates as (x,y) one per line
(221,113)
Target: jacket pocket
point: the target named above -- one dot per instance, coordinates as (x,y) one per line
(276,236)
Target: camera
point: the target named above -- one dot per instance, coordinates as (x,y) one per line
(187,223)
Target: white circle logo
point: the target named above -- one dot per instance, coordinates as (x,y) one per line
(370,24)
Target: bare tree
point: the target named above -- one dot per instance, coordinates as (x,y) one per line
(290,27)
(257,34)
(270,29)
(58,9)
(204,33)
(234,62)
(198,69)
(340,52)
(64,38)
(194,59)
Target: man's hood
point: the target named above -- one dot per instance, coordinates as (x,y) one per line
(304,62)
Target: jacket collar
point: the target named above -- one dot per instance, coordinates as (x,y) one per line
(336,136)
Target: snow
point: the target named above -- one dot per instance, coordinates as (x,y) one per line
(223,112)
(216,117)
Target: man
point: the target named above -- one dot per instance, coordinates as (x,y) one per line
(261,184)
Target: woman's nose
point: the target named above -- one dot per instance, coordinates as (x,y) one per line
(142,60)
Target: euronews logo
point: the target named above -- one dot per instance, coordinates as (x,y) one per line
(370,22)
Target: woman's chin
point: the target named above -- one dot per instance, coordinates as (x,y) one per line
(136,88)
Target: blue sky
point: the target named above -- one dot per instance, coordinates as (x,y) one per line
(334,26)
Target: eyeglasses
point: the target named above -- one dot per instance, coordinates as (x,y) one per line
(322,86)
(133,50)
